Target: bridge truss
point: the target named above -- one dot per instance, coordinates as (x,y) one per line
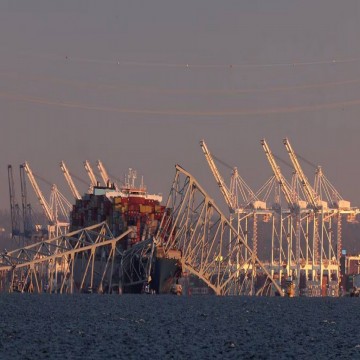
(193,232)
(80,261)
(210,246)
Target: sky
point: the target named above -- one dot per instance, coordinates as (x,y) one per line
(139,83)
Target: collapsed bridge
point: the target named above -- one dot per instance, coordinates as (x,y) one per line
(193,236)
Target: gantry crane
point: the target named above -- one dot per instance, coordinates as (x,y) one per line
(309,192)
(312,198)
(56,226)
(229,198)
(14,208)
(248,207)
(326,259)
(59,206)
(26,208)
(45,206)
(282,258)
(70,181)
(327,192)
(90,172)
(32,230)
(284,185)
(104,175)
(337,208)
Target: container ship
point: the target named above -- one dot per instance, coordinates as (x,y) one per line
(128,207)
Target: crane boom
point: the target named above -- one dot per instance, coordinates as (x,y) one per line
(278,175)
(38,193)
(70,181)
(14,210)
(310,194)
(26,212)
(220,181)
(104,175)
(90,172)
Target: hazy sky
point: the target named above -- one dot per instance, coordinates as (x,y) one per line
(139,83)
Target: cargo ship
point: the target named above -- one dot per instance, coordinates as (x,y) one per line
(129,207)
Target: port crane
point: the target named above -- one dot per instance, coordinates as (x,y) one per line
(14,208)
(58,205)
(290,222)
(23,228)
(240,199)
(92,177)
(26,209)
(228,196)
(70,181)
(326,254)
(309,192)
(104,175)
(33,230)
(312,198)
(339,207)
(283,183)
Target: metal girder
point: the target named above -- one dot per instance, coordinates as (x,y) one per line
(136,264)
(210,246)
(75,262)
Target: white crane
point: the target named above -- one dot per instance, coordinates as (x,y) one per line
(326,191)
(104,175)
(90,172)
(70,181)
(284,185)
(59,205)
(311,196)
(240,199)
(317,205)
(229,197)
(285,252)
(45,206)
(14,207)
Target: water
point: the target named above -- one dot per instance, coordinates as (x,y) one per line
(140,326)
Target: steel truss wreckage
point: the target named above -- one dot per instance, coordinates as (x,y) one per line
(210,246)
(194,236)
(80,261)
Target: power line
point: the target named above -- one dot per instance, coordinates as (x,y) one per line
(155,89)
(173,112)
(189,65)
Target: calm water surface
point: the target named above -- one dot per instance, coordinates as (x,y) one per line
(139,326)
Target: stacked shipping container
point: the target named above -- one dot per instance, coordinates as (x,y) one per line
(120,210)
